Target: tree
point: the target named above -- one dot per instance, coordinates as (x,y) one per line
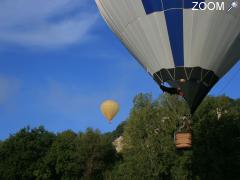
(61,162)
(96,153)
(217,140)
(79,156)
(149,150)
(148,146)
(22,153)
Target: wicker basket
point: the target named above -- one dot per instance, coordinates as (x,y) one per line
(183,140)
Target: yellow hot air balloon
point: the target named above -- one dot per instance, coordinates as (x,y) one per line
(109,109)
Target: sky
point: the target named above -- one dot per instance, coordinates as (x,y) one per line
(59,61)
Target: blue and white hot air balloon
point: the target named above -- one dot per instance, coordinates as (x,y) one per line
(174,42)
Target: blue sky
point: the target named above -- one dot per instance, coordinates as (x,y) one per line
(59,61)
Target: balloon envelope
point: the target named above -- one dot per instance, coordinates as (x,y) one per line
(174,42)
(109,109)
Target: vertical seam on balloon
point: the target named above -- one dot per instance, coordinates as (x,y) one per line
(143,66)
(109,16)
(192,36)
(153,55)
(152,12)
(162,5)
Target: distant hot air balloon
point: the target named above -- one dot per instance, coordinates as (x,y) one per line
(109,109)
(188,49)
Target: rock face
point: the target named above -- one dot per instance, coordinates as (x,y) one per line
(118,143)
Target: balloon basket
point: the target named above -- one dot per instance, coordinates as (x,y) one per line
(183,140)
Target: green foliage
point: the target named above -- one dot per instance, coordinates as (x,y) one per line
(217,141)
(84,156)
(97,154)
(61,162)
(149,151)
(22,153)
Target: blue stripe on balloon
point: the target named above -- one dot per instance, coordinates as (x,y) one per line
(189,3)
(174,20)
(151,6)
(168,4)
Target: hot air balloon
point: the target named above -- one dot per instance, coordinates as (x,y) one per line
(109,109)
(186,48)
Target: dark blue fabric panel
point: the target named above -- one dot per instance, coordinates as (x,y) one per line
(189,3)
(168,4)
(151,6)
(174,20)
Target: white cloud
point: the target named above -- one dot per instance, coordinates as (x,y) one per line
(45,23)
(8,88)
